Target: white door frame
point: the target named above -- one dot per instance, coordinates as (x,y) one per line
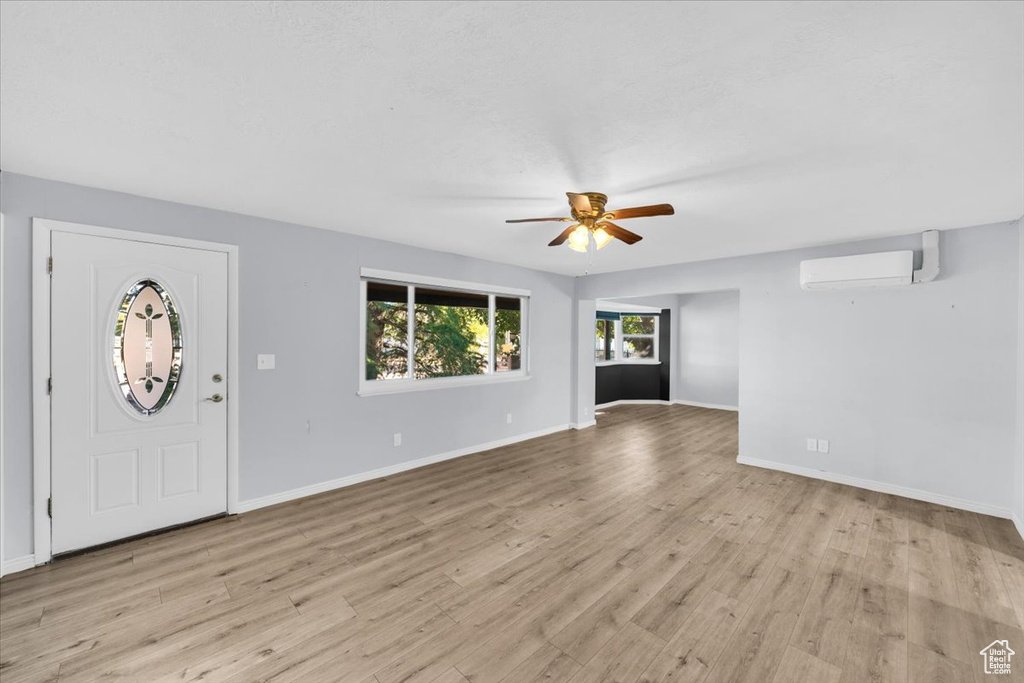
(41,231)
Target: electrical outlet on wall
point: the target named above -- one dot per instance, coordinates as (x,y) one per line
(398,439)
(265,361)
(812,445)
(823,445)
(508,418)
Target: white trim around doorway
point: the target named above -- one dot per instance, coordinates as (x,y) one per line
(41,232)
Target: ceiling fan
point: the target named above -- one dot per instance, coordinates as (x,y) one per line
(592,222)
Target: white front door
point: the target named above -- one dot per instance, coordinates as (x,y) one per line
(138,403)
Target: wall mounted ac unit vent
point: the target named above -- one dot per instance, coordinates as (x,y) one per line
(888,269)
(885,269)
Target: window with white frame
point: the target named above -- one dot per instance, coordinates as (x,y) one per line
(435,331)
(626,337)
(639,336)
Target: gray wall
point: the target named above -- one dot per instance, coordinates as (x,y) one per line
(1019,478)
(291,273)
(708,341)
(914,386)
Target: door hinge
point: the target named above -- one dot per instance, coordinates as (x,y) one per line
(49,265)
(49,385)
(49,508)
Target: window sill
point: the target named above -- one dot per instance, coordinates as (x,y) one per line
(401,386)
(642,361)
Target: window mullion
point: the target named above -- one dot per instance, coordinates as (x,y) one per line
(654,338)
(363,301)
(411,332)
(524,334)
(490,333)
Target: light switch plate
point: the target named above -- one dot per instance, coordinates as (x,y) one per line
(823,445)
(812,445)
(265,361)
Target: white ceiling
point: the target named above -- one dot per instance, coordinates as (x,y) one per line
(767,125)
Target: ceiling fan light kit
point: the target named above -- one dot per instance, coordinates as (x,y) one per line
(591,224)
(579,239)
(582,236)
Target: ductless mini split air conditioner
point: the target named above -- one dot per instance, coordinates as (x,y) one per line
(884,269)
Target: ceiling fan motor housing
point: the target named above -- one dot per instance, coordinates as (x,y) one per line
(597,202)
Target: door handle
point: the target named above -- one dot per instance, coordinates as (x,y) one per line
(216,398)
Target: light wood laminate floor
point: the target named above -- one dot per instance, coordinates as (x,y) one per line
(634,551)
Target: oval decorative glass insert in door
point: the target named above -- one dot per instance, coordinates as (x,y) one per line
(147,347)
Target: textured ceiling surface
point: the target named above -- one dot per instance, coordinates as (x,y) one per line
(768,125)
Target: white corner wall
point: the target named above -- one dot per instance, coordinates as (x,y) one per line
(915,387)
(584,368)
(1018,509)
(708,330)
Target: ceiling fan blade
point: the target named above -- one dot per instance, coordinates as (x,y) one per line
(538,220)
(579,202)
(619,232)
(641,211)
(563,236)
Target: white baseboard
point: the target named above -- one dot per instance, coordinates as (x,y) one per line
(583,425)
(881,487)
(633,402)
(17,564)
(1019,523)
(351,480)
(656,402)
(697,404)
